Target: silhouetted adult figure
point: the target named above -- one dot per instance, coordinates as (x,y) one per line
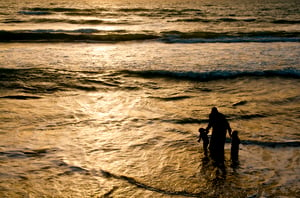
(220,126)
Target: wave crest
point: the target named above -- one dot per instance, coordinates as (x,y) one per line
(217,74)
(42,81)
(95,35)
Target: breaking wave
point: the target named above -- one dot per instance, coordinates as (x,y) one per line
(95,35)
(47,81)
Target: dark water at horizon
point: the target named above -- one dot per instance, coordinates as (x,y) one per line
(169,21)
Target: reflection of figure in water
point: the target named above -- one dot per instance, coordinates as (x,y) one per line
(204,137)
(220,125)
(235,142)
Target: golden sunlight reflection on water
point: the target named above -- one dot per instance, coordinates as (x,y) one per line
(132,143)
(87,128)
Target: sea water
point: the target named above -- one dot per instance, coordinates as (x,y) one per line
(105,98)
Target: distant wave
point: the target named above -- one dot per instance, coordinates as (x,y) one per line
(92,10)
(282,21)
(47,81)
(62,10)
(229,37)
(216,74)
(57,9)
(206,20)
(70,36)
(95,35)
(34,81)
(232,20)
(144,12)
(39,81)
(34,12)
(64,20)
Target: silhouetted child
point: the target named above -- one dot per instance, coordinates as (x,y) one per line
(204,137)
(235,146)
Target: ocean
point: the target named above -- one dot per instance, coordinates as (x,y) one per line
(105,98)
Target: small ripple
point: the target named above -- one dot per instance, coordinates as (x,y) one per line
(240,103)
(271,144)
(174,98)
(186,121)
(26,153)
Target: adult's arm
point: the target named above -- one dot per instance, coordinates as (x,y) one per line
(208,126)
(228,128)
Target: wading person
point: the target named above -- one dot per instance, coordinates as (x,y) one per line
(235,146)
(205,140)
(220,126)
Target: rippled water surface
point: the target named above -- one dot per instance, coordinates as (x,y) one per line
(75,129)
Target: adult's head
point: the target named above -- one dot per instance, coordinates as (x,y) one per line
(214,111)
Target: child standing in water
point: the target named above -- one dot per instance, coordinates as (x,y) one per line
(204,137)
(235,142)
